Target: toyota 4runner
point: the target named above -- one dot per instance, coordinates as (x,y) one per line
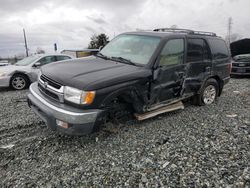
(144,73)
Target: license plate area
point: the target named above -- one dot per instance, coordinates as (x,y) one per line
(40,113)
(241,70)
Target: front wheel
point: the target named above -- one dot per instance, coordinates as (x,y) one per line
(19,82)
(208,94)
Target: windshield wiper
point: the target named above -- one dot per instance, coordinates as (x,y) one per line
(124,60)
(102,56)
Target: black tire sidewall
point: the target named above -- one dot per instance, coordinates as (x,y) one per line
(19,75)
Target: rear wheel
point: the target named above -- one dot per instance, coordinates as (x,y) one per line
(19,82)
(208,94)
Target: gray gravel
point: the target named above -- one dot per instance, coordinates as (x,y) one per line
(196,147)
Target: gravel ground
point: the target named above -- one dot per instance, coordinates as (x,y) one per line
(205,146)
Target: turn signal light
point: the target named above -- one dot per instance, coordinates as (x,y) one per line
(89,97)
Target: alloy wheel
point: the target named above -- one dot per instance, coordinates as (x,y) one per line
(209,94)
(18,83)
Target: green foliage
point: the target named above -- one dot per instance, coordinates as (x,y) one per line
(97,41)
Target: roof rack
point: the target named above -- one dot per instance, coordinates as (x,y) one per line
(188,31)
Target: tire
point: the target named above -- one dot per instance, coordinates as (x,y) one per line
(208,94)
(19,82)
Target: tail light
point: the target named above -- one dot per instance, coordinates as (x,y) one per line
(230,66)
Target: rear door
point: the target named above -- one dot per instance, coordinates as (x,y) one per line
(170,71)
(221,58)
(198,64)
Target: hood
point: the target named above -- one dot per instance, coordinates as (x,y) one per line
(92,73)
(12,68)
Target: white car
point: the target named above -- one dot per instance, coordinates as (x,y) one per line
(3,63)
(20,75)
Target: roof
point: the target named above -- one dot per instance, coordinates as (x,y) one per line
(81,50)
(48,54)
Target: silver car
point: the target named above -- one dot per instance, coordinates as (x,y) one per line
(24,72)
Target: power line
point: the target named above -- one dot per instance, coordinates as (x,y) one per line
(230,22)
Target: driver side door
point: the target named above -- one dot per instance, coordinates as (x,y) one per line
(170,71)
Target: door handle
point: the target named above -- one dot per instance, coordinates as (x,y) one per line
(180,74)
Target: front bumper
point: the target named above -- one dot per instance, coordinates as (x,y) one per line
(80,121)
(5,81)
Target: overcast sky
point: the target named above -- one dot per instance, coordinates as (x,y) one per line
(70,23)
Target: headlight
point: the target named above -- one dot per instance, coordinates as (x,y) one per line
(2,74)
(78,96)
(39,74)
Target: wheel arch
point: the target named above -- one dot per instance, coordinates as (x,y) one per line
(218,80)
(20,73)
(129,95)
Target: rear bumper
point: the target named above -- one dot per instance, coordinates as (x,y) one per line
(240,73)
(240,70)
(80,121)
(5,81)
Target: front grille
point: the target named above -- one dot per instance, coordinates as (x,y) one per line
(48,93)
(51,89)
(50,82)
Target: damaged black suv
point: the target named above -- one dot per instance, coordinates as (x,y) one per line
(145,73)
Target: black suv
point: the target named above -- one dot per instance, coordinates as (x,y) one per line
(144,73)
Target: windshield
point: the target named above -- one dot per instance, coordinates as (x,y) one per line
(135,48)
(27,61)
(245,58)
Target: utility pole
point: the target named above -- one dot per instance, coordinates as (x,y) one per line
(25,42)
(230,22)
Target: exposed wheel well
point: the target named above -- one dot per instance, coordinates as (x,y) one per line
(126,96)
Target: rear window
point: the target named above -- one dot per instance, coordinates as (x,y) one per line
(219,48)
(61,58)
(242,58)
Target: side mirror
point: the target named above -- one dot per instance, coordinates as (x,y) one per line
(37,64)
(156,73)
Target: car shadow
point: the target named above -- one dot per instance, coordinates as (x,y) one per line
(5,89)
(10,89)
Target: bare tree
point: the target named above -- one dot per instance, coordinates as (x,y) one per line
(40,50)
(234,37)
(98,40)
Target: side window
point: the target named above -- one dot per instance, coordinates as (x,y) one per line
(172,53)
(219,48)
(47,59)
(61,58)
(198,50)
(207,52)
(195,50)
